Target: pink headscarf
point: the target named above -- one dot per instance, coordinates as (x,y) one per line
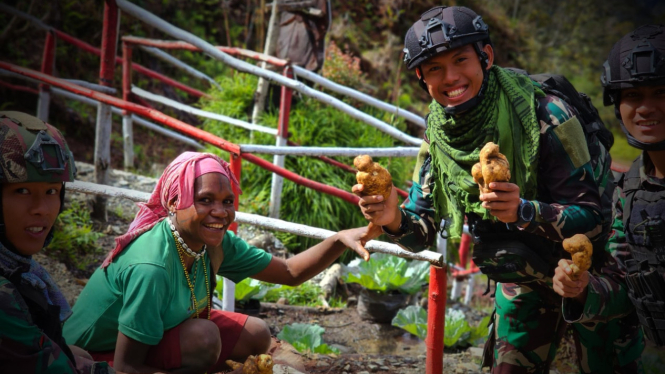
(177,180)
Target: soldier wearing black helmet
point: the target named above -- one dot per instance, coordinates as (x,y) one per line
(633,78)
(558,188)
(35,161)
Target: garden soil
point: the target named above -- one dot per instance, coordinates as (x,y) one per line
(365,347)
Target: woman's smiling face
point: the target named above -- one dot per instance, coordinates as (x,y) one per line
(206,221)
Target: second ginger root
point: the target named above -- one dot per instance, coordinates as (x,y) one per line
(581,249)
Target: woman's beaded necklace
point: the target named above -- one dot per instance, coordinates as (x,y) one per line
(184,245)
(191,284)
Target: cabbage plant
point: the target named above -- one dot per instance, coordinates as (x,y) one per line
(458,333)
(306,338)
(385,273)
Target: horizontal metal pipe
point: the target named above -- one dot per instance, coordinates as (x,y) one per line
(202,113)
(179,64)
(330,151)
(93,86)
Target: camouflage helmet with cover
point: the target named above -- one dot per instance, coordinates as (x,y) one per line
(31,150)
(636,60)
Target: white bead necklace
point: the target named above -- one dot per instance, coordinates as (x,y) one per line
(188,251)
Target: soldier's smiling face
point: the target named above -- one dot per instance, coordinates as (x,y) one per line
(454,77)
(29,211)
(643,112)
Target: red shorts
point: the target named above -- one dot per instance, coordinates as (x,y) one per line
(166,354)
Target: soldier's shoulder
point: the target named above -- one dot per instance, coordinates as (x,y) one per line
(552,111)
(11,302)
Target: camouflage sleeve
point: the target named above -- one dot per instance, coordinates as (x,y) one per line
(24,348)
(568,197)
(418,228)
(607,294)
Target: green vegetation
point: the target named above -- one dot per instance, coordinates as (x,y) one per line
(306,338)
(457,334)
(74,242)
(385,273)
(311,123)
(307,294)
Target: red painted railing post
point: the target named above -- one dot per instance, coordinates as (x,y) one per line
(48,62)
(282,137)
(436,319)
(103,130)
(236,168)
(464,244)
(127,126)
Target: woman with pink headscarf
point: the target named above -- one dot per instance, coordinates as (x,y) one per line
(148,307)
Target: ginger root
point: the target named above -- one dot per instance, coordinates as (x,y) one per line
(376,180)
(493,167)
(581,249)
(261,364)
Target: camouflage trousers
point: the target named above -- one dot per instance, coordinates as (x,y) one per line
(529,325)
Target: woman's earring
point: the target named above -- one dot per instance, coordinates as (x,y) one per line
(171,214)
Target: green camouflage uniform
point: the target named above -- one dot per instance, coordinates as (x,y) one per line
(573,197)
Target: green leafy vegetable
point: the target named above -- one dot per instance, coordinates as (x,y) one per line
(385,273)
(457,333)
(413,319)
(247,289)
(306,338)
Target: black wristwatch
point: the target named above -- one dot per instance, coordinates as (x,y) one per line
(525,213)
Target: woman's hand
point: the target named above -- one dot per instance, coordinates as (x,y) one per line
(566,286)
(503,201)
(377,211)
(355,239)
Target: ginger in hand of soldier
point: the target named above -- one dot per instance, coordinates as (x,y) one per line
(581,250)
(376,180)
(493,167)
(374,177)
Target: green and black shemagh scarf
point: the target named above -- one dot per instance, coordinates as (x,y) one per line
(506,116)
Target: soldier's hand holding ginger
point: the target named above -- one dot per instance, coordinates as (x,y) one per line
(571,276)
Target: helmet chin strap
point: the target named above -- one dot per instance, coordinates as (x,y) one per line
(660,146)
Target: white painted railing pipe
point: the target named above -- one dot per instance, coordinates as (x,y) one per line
(136,119)
(201,113)
(153,20)
(330,151)
(179,64)
(265,222)
(360,96)
(93,86)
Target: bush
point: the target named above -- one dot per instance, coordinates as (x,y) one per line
(74,243)
(311,123)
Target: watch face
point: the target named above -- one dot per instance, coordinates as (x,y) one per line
(526,211)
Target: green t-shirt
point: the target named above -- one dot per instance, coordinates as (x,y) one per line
(144,292)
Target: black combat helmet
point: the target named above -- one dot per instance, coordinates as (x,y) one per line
(444,28)
(637,59)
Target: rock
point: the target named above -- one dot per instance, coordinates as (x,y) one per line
(363,372)
(476,352)
(283,369)
(322,363)
(282,301)
(384,368)
(347,367)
